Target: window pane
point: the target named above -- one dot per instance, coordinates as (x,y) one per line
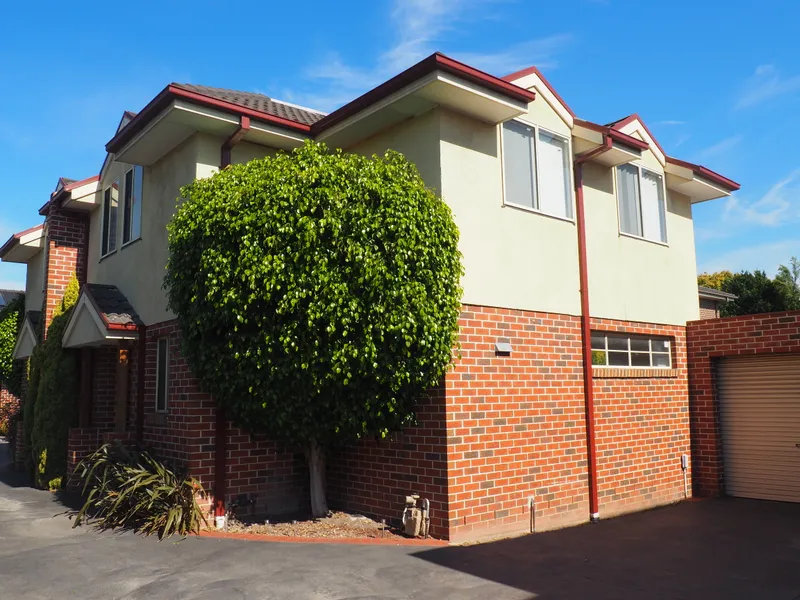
(136,217)
(617,343)
(640,359)
(661,360)
(598,341)
(112,216)
(518,164)
(599,357)
(640,344)
(126,207)
(653,207)
(628,198)
(161,375)
(618,359)
(554,188)
(106,210)
(660,345)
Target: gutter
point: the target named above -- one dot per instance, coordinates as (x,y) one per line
(586,326)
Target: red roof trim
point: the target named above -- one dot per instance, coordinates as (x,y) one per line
(706,173)
(635,117)
(11,242)
(533,70)
(615,135)
(435,62)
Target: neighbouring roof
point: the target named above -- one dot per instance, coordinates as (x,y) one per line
(112,306)
(712,294)
(257,102)
(7,296)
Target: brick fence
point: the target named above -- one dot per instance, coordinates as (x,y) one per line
(709,340)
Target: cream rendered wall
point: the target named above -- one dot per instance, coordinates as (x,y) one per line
(137,269)
(34,282)
(417,139)
(513,258)
(632,279)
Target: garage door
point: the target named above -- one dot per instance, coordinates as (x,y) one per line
(759,399)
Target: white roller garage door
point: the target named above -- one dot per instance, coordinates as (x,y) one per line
(759,400)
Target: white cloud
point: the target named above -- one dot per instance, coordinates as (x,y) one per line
(720,147)
(419,28)
(764,84)
(765,257)
(779,206)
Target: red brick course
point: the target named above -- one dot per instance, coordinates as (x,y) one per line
(708,340)
(67,236)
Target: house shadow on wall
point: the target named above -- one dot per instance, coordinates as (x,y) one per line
(727,549)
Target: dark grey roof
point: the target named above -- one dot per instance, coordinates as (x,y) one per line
(7,296)
(112,304)
(707,292)
(33,316)
(258,102)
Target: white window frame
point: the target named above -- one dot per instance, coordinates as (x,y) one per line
(639,184)
(650,352)
(570,176)
(103,240)
(164,383)
(133,171)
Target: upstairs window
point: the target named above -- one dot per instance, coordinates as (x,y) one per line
(622,350)
(110,204)
(642,210)
(536,171)
(132,205)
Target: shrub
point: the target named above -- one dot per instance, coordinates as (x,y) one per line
(318,295)
(131,489)
(55,401)
(10,321)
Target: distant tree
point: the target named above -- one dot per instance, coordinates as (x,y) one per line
(714,280)
(755,293)
(788,281)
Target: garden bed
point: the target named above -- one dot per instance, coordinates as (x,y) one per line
(337,525)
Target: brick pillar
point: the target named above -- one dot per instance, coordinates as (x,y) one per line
(81,442)
(67,236)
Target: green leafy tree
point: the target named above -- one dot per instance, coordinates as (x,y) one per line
(788,281)
(11,371)
(56,397)
(756,293)
(318,295)
(714,280)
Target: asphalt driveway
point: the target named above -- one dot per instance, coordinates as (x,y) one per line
(726,549)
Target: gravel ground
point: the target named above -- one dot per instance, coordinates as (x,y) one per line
(335,525)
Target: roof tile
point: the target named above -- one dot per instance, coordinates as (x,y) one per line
(113,305)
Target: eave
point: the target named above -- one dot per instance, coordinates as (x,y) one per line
(23,246)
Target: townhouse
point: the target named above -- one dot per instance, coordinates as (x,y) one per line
(570,398)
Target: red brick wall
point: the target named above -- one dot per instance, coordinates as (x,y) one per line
(375,476)
(708,341)
(642,427)
(709,309)
(272,477)
(9,404)
(67,239)
(516,425)
(81,442)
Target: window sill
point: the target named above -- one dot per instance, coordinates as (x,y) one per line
(534,211)
(105,256)
(643,239)
(131,243)
(633,373)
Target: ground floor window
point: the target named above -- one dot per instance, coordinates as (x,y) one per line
(162,375)
(623,350)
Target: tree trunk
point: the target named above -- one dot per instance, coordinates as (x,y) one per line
(316,471)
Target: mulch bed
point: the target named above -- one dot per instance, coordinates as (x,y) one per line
(337,525)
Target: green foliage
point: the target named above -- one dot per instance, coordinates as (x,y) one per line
(598,357)
(10,423)
(317,292)
(788,281)
(10,322)
(714,280)
(756,293)
(130,489)
(53,405)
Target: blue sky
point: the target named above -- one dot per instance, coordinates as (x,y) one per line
(717,83)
